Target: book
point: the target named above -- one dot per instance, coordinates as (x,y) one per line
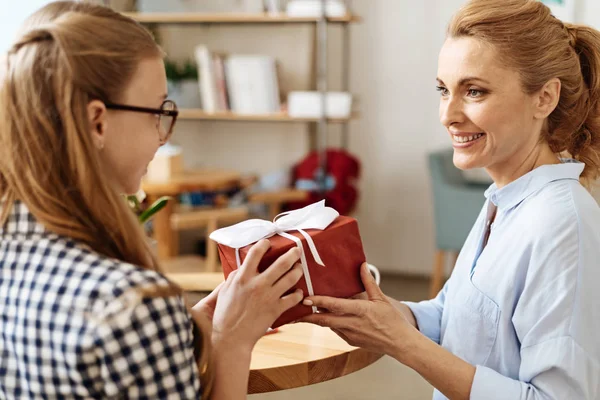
(221,83)
(252,84)
(207,80)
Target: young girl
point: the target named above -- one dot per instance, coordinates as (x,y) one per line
(85,310)
(520,315)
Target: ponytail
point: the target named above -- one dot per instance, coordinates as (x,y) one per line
(583,143)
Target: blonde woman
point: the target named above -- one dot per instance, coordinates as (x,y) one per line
(520,316)
(85,311)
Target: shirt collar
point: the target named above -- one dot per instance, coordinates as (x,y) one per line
(515,192)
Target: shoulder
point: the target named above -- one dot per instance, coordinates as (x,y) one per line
(560,208)
(100,277)
(95,288)
(119,288)
(560,232)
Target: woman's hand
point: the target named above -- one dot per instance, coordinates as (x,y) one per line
(249,302)
(374,324)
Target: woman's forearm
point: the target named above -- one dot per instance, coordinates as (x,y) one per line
(232,369)
(446,372)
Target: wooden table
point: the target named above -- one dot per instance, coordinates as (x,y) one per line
(303,354)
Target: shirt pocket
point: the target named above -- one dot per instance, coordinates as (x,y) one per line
(472,324)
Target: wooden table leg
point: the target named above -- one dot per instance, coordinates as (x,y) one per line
(211,246)
(167,244)
(274,210)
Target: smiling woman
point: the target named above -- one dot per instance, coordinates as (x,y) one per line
(523,107)
(519,317)
(492,121)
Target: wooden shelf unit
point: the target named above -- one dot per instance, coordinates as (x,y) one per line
(198,114)
(229,18)
(192,272)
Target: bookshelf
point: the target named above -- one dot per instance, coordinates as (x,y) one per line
(198,114)
(229,18)
(190,269)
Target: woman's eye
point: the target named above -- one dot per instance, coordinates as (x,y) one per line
(475,93)
(443,91)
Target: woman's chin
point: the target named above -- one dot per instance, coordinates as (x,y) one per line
(467,161)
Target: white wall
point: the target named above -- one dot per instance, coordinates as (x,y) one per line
(588,12)
(12,17)
(394,69)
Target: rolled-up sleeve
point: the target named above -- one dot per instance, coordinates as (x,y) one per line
(556,369)
(428,314)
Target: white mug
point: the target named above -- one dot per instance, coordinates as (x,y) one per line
(375,273)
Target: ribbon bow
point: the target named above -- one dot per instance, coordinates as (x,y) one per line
(314,216)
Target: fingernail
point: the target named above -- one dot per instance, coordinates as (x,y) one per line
(307,302)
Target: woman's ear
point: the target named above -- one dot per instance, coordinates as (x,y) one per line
(547,98)
(97,118)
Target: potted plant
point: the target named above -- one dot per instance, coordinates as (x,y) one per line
(144,215)
(182,81)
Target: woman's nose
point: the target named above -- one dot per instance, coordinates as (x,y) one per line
(451,111)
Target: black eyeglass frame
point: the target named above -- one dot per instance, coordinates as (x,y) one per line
(156,111)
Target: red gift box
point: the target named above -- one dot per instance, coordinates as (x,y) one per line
(340,249)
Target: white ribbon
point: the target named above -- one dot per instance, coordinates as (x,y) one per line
(314,216)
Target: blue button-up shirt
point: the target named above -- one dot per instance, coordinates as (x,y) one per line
(525,308)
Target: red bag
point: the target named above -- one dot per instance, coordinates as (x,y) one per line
(343,170)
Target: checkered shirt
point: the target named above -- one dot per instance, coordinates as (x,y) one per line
(74,327)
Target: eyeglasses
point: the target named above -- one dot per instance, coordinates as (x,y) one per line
(167,116)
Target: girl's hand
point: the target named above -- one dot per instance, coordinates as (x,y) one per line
(249,302)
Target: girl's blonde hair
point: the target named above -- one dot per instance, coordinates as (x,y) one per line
(66,55)
(531,40)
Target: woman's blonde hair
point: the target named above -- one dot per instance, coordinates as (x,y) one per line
(66,55)
(531,40)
